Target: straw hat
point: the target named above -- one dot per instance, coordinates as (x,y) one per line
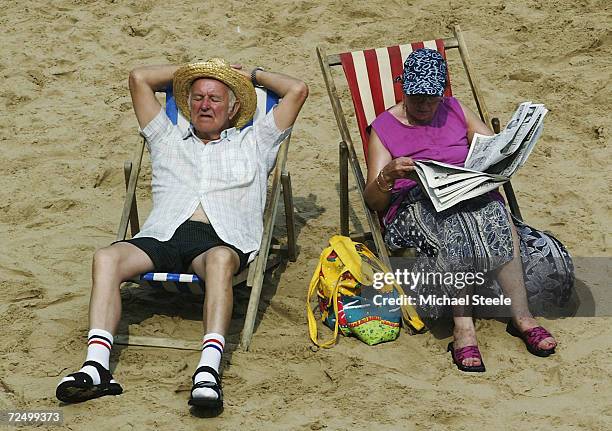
(218,69)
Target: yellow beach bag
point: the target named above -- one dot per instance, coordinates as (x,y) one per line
(343,283)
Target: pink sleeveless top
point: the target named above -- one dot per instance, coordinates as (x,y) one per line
(444,140)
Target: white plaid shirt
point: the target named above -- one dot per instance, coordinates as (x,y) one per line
(228,177)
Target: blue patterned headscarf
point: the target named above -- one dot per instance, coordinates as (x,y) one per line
(424,73)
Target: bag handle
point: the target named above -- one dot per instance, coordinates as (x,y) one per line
(346,251)
(312,291)
(409,314)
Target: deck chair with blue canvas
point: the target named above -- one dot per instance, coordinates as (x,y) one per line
(268,256)
(212,216)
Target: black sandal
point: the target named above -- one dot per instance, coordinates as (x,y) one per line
(207,403)
(82,387)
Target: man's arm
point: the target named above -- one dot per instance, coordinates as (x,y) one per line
(144,82)
(292,91)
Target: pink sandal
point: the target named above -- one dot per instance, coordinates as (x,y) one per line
(466,352)
(532,337)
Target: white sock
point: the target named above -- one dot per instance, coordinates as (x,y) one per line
(99,345)
(212,350)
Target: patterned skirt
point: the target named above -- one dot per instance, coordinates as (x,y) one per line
(475,236)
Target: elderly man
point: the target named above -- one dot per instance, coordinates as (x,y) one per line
(209,190)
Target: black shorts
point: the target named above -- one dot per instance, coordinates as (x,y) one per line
(190,239)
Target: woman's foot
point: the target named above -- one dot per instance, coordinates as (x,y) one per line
(465,335)
(524,324)
(538,340)
(464,350)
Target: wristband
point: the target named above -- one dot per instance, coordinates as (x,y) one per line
(254,78)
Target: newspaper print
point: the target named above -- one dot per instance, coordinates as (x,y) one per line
(524,151)
(497,157)
(528,137)
(487,150)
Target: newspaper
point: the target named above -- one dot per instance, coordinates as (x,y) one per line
(490,162)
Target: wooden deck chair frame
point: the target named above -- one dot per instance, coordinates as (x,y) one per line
(269,254)
(348,156)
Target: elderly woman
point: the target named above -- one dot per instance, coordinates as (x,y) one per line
(478,235)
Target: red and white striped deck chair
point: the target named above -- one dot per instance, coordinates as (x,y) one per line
(371,77)
(269,254)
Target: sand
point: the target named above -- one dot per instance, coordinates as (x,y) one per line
(67,127)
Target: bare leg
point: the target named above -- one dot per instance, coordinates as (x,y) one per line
(217,267)
(510,277)
(111,266)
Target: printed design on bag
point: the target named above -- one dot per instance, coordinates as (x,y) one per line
(371,318)
(332,257)
(341,314)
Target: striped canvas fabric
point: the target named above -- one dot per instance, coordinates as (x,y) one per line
(176,283)
(371,77)
(191,283)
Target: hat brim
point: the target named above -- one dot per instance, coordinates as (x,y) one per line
(417,89)
(239,84)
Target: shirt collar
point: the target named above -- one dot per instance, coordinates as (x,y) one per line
(225,134)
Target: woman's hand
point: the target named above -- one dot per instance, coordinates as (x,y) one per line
(398,168)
